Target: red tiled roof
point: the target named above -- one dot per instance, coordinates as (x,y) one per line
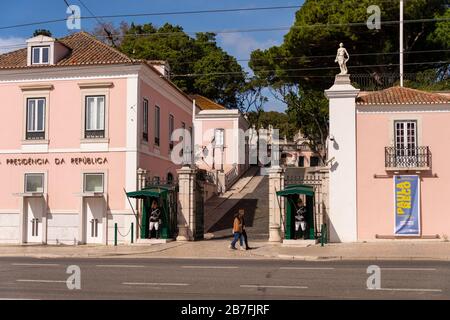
(85,49)
(205,103)
(401,95)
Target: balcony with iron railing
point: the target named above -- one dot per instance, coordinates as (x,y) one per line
(416,158)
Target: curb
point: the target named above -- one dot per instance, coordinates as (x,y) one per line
(346,258)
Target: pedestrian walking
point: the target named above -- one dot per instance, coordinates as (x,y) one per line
(237,232)
(244,232)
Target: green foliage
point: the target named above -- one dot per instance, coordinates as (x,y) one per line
(280,121)
(43,32)
(309,112)
(441,35)
(310,37)
(303,65)
(197,56)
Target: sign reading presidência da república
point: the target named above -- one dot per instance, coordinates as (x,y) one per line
(407,205)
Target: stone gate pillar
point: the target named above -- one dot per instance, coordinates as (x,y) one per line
(186,204)
(342,158)
(276,204)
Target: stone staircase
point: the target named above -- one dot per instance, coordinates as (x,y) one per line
(250,192)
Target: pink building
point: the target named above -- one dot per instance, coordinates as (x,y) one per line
(402,132)
(389,175)
(80,119)
(224,136)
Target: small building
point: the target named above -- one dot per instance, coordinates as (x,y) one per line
(82,123)
(298,153)
(389,174)
(222,137)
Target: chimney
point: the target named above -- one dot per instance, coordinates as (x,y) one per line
(161,66)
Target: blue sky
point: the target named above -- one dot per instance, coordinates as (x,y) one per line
(237,44)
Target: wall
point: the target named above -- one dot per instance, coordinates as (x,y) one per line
(65,157)
(157,159)
(376,195)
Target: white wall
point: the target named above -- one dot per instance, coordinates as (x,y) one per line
(342,157)
(123,221)
(63,228)
(9,227)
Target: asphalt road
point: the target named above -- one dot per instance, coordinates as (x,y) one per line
(28,278)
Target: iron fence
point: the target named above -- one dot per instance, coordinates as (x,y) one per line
(416,157)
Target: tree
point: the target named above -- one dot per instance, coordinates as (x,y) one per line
(261,119)
(43,32)
(198,64)
(302,67)
(306,55)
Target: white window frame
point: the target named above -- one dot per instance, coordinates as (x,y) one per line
(35,112)
(90,90)
(171,129)
(41,174)
(157,126)
(85,174)
(219,143)
(40,49)
(36,92)
(98,126)
(145,127)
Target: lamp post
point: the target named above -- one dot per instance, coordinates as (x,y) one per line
(401,43)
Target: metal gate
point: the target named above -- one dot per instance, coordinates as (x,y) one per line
(199,205)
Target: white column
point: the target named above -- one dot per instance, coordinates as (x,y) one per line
(186,204)
(342,159)
(132,109)
(276,204)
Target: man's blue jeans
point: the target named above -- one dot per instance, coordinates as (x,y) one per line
(237,235)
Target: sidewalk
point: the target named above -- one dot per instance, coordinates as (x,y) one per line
(218,249)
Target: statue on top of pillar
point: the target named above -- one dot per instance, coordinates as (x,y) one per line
(342,58)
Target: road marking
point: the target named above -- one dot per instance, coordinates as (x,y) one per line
(118,266)
(406,289)
(36,264)
(155,284)
(272,287)
(210,267)
(305,268)
(4,299)
(409,269)
(41,281)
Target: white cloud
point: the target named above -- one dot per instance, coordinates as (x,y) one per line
(241,45)
(11,43)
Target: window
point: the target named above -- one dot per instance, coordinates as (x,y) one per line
(40,55)
(34,183)
(169,178)
(219,137)
(93,182)
(301,161)
(405,137)
(183,126)
(314,161)
(157,127)
(35,119)
(405,132)
(171,125)
(145,119)
(95,117)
